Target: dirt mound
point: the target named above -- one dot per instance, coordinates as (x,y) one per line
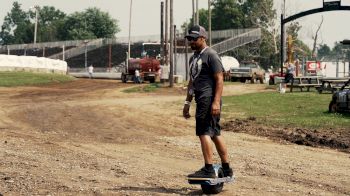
(333,138)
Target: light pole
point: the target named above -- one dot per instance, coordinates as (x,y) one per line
(36,7)
(86,42)
(128,55)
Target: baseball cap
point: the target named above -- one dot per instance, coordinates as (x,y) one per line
(196,31)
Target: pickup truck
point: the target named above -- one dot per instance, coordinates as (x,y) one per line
(247,71)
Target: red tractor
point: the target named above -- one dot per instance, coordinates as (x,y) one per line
(147,66)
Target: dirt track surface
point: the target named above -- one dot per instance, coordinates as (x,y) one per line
(88,138)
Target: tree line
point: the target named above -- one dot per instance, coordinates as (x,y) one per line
(55,25)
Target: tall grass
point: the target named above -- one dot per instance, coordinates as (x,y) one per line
(10,79)
(143,88)
(306,109)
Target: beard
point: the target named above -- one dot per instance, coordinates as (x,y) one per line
(194,47)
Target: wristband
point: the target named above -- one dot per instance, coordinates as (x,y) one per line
(187,103)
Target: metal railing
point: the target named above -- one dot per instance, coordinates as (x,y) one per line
(237,41)
(89,44)
(236,38)
(41,45)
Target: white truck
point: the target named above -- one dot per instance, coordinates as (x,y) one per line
(247,70)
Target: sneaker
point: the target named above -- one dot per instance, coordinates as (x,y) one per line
(228,172)
(203,173)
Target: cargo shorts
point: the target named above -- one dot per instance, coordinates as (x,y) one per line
(206,123)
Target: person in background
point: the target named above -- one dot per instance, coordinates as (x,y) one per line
(91,71)
(290,72)
(137,76)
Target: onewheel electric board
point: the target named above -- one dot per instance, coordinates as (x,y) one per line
(212,185)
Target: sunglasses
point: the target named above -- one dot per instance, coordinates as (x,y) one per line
(192,39)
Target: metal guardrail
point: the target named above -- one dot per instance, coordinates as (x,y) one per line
(90,45)
(237,41)
(42,45)
(228,33)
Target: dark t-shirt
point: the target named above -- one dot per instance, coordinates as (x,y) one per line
(203,65)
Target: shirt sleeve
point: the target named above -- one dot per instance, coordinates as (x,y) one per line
(215,63)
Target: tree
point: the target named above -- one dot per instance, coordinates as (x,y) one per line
(315,37)
(300,49)
(340,51)
(293,29)
(16,26)
(260,14)
(233,14)
(203,20)
(50,20)
(227,14)
(54,25)
(323,51)
(90,24)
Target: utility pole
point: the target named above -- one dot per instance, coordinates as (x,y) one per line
(209,22)
(128,55)
(175,51)
(197,13)
(85,42)
(171,77)
(36,23)
(162,32)
(36,9)
(166,52)
(186,55)
(283,33)
(193,13)
(109,57)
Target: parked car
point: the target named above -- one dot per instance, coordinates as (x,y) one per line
(247,70)
(341,100)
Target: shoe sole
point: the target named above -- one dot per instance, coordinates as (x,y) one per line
(197,178)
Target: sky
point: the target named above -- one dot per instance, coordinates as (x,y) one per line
(146,15)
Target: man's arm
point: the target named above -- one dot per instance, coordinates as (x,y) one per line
(219,85)
(189,97)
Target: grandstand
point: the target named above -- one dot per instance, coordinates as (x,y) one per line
(109,54)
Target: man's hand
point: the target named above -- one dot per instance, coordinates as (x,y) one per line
(186,111)
(215,109)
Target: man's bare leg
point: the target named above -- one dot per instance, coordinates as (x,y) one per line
(207,150)
(221,148)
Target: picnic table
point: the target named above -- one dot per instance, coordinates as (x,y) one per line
(305,82)
(332,84)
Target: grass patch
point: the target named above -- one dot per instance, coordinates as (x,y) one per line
(226,83)
(309,110)
(143,88)
(10,79)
